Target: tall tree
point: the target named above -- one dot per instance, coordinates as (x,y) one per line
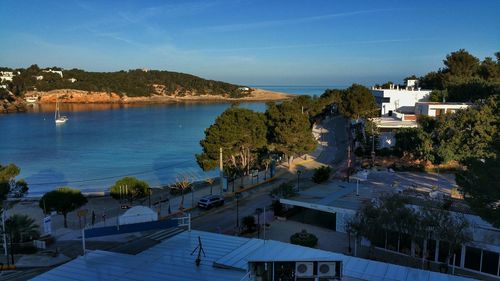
(415,143)
(466,133)
(358,102)
(62,200)
(21,228)
(240,133)
(9,184)
(461,64)
(289,130)
(479,184)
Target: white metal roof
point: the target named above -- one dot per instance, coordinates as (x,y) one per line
(172,260)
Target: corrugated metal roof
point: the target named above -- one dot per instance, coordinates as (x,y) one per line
(172,260)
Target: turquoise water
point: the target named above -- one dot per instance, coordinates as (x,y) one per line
(102,143)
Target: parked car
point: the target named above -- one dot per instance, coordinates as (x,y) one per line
(210,201)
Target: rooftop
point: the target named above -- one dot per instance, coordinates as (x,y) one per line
(391,122)
(226,259)
(444,103)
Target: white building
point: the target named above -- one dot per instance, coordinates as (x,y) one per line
(388,126)
(6,76)
(38,77)
(54,71)
(390,100)
(72,80)
(434,109)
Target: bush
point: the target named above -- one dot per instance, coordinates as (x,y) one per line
(129,188)
(248,223)
(321,174)
(284,190)
(304,238)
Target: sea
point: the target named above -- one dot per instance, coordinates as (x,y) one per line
(102,143)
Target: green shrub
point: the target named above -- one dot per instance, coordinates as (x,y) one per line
(284,190)
(321,174)
(304,238)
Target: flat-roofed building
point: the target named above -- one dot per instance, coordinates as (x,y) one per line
(390,100)
(434,109)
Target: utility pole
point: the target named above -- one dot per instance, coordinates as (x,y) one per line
(373,146)
(237,195)
(221,171)
(348,149)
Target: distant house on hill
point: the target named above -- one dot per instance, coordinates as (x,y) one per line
(54,71)
(72,80)
(38,77)
(244,89)
(6,76)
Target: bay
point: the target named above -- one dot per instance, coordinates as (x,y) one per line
(102,143)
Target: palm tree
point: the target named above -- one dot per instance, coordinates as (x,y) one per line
(182,183)
(21,228)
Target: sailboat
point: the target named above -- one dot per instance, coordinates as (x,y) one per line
(59,119)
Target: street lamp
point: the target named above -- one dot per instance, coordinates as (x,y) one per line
(237,195)
(258,211)
(298,180)
(149,196)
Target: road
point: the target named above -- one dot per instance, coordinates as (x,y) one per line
(336,141)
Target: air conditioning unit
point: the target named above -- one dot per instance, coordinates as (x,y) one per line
(304,269)
(326,269)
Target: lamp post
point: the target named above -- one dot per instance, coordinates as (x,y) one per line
(237,195)
(149,196)
(298,180)
(373,146)
(258,211)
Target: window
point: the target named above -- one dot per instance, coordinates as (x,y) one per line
(472,258)
(490,262)
(431,249)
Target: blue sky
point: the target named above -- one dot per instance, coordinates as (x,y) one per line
(250,42)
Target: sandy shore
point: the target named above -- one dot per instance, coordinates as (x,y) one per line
(77,96)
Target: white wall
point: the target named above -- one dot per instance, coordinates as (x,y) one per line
(398,98)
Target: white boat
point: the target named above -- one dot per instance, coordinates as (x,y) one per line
(59,119)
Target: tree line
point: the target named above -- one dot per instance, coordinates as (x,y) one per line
(250,139)
(132,83)
(464,78)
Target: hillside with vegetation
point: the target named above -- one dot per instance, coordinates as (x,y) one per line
(132,83)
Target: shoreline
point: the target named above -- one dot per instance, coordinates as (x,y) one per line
(82,97)
(70,96)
